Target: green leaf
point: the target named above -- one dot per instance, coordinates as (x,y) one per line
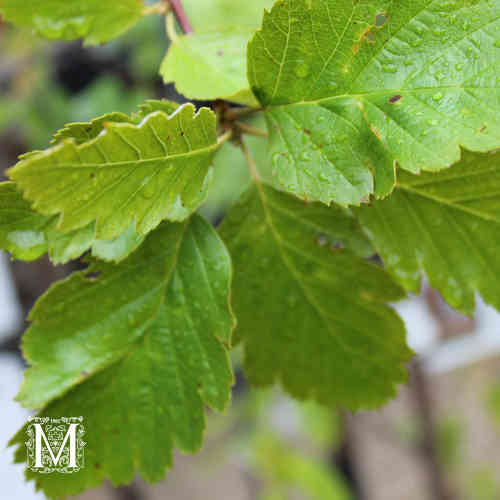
(159,169)
(141,367)
(27,235)
(284,468)
(210,65)
(85,131)
(22,230)
(445,224)
(215,14)
(93,20)
(152,105)
(353,88)
(211,62)
(311,316)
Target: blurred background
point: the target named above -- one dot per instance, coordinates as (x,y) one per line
(440,439)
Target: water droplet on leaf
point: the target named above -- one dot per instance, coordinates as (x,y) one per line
(302,70)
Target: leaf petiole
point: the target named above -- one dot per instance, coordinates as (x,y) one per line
(249,129)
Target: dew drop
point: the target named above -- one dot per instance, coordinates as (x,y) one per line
(323,177)
(281,160)
(302,70)
(305,156)
(438,96)
(459,66)
(149,190)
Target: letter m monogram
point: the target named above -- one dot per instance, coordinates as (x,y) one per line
(55,445)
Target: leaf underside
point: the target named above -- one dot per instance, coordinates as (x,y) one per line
(312,317)
(128,174)
(141,368)
(354,88)
(445,224)
(27,235)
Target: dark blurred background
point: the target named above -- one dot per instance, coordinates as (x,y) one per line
(440,439)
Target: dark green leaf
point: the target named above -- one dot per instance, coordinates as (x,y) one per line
(141,367)
(445,224)
(310,315)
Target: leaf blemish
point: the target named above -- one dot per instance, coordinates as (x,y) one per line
(381,20)
(369,36)
(307,131)
(92,275)
(395,98)
(376,132)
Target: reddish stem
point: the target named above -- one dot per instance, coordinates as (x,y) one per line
(181,16)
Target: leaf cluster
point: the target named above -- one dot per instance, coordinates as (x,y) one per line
(382,134)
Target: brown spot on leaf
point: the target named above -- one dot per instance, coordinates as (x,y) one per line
(395,98)
(376,132)
(370,37)
(307,131)
(483,129)
(220,53)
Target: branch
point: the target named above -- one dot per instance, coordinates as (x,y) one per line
(180,14)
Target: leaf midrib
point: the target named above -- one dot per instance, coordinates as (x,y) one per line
(124,163)
(448,203)
(296,276)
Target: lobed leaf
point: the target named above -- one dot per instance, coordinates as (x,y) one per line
(82,132)
(211,62)
(353,88)
(141,367)
(445,224)
(311,316)
(93,20)
(141,174)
